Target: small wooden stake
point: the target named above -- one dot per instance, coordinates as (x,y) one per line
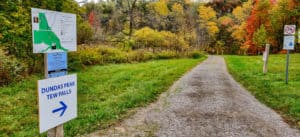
(266,58)
(56,132)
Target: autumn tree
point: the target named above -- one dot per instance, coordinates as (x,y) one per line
(158,15)
(224,39)
(91,18)
(208,21)
(223,7)
(238,33)
(259,16)
(260,36)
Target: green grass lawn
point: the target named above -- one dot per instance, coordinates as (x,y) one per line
(105,95)
(270,88)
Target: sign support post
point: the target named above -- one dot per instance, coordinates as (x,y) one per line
(266,58)
(287,67)
(57,131)
(288,44)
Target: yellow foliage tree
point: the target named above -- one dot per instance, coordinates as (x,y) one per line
(241,13)
(208,20)
(173,41)
(161,7)
(177,8)
(225,21)
(238,13)
(239,32)
(148,38)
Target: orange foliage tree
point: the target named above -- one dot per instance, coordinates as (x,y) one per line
(92,18)
(258,17)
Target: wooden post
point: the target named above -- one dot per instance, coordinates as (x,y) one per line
(56,132)
(266,58)
(59,130)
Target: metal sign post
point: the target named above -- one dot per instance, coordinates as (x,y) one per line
(288,44)
(287,66)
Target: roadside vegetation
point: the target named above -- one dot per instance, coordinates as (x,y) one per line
(270,88)
(105,95)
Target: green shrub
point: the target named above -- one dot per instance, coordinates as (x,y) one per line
(140,55)
(128,44)
(90,56)
(11,69)
(74,63)
(174,41)
(84,33)
(85,55)
(113,55)
(148,38)
(167,55)
(95,55)
(195,54)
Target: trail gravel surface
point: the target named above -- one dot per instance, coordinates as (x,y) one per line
(206,102)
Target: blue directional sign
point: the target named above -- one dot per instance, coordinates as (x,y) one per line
(62,109)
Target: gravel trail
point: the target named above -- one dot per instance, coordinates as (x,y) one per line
(206,102)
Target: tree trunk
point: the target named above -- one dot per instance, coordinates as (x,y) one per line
(131,19)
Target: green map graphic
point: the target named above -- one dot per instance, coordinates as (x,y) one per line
(46,35)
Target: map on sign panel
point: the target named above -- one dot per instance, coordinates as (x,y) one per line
(53,31)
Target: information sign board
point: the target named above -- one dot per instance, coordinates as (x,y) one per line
(53,31)
(56,64)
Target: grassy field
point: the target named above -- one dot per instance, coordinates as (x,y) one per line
(105,95)
(270,88)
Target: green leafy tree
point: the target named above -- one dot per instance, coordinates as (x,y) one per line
(260,36)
